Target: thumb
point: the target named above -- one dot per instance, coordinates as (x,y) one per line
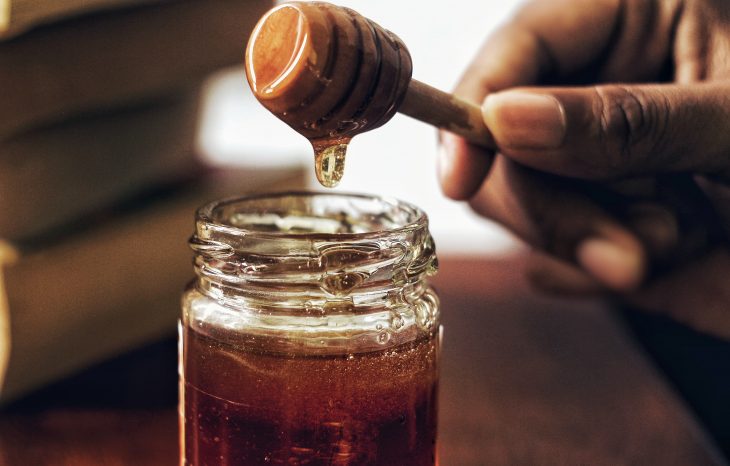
(614,130)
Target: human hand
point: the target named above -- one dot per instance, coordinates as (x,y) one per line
(625,186)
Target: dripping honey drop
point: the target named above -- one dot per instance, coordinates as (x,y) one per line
(329,162)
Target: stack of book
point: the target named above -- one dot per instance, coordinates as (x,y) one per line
(99,179)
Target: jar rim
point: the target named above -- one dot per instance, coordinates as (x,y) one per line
(414,217)
(313,250)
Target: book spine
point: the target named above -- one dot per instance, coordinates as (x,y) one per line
(8,256)
(56,176)
(18,16)
(118,58)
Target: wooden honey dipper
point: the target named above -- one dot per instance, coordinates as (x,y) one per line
(330,74)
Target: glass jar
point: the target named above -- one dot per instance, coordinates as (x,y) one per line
(310,335)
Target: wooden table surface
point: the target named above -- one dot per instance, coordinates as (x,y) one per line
(525,381)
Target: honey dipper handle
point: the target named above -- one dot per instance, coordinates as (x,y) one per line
(446,111)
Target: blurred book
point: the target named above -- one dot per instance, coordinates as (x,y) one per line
(98,62)
(109,288)
(55,176)
(16,16)
(98,179)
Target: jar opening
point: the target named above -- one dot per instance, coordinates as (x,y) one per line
(313,214)
(287,249)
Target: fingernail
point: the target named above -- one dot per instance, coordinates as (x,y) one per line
(525,120)
(616,266)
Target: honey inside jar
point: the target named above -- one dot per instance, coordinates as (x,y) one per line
(257,407)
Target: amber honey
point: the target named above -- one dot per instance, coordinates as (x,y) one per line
(250,408)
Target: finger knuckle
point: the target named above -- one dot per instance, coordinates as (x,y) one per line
(630,125)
